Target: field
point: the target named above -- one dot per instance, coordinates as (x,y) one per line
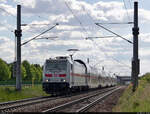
(138,101)
(10,94)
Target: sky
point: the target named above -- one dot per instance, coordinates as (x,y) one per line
(76,30)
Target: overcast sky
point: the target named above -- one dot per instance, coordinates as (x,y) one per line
(77,20)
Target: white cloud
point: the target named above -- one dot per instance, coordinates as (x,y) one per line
(71,33)
(7,49)
(27,3)
(3,1)
(144,15)
(7,10)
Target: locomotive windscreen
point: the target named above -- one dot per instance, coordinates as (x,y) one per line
(56,65)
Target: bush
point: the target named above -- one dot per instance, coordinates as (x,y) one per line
(146,77)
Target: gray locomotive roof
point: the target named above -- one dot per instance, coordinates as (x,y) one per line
(61,58)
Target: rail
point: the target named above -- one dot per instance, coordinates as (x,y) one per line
(63,106)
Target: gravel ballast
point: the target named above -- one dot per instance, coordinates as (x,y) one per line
(107,104)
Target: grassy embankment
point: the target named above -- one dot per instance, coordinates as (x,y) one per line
(10,94)
(139,101)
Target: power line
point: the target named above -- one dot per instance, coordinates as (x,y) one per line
(130,4)
(93,22)
(113,33)
(72,13)
(110,36)
(106,23)
(119,44)
(118,23)
(111,57)
(126,9)
(46,38)
(108,56)
(33,24)
(131,8)
(7,12)
(108,29)
(102,37)
(40,34)
(75,17)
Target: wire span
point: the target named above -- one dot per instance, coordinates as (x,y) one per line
(39,34)
(113,33)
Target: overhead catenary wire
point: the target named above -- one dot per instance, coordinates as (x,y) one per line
(33,24)
(108,37)
(88,15)
(46,38)
(98,24)
(113,33)
(7,12)
(40,34)
(108,56)
(45,18)
(126,10)
(75,17)
(116,35)
(106,23)
(118,23)
(130,4)
(10,15)
(120,45)
(14,16)
(131,8)
(101,37)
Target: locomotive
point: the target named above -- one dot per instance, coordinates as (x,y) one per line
(64,75)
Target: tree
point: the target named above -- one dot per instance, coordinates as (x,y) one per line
(10,65)
(23,72)
(5,73)
(38,72)
(26,65)
(33,72)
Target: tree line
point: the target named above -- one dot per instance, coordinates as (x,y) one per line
(29,72)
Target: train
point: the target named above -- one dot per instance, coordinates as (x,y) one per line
(62,75)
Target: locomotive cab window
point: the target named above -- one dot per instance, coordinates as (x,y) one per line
(55,65)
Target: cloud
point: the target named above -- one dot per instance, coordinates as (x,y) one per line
(7,10)
(144,15)
(74,27)
(7,49)
(3,1)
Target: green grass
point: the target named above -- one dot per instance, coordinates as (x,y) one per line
(13,82)
(138,101)
(10,94)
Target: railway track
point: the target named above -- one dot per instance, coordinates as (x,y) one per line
(84,103)
(12,105)
(21,104)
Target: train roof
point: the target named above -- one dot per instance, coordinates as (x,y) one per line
(61,58)
(81,62)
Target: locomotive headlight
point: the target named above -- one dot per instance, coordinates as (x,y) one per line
(46,80)
(63,80)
